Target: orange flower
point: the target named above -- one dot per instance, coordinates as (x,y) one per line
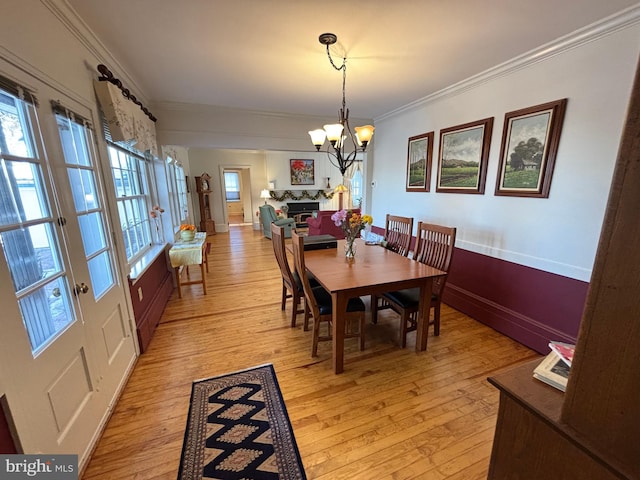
(187,227)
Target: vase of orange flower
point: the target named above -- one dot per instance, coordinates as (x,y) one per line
(187,232)
(352,224)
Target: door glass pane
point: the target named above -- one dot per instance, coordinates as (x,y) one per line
(83,188)
(92,233)
(15,137)
(32,254)
(100,271)
(21,192)
(46,312)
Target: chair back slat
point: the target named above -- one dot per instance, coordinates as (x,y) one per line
(397,234)
(297,244)
(434,247)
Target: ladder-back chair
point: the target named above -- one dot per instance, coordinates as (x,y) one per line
(434,247)
(291,285)
(397,234)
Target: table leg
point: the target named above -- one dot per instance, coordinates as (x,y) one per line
(423,315)
(339,309)
(204,281)
(177,269)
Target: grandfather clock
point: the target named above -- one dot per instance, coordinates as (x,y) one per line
(203,189)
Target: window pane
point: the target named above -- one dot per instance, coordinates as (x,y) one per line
(46,312)
(31,254)
(74,142)
(83,188)
(92,233)
(101,275)
(20,193)
(15,137)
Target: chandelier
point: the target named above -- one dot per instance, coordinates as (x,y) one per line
(337,133)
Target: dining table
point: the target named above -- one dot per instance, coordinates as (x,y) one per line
(374,270)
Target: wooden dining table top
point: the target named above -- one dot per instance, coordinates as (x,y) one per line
(372,271)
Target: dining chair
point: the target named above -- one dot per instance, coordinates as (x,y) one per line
(291,284)
(319,304)
(397,234)
(434,247)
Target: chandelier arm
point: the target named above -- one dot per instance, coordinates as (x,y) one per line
(338,157)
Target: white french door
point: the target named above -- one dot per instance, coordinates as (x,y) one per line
(66,343)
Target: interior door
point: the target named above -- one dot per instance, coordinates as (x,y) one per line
(66,342)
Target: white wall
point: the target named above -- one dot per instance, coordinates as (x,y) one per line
(264,167)
(558,234)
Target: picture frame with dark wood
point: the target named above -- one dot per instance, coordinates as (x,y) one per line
(302,171)
(530,139)
(463,157)
(419,159)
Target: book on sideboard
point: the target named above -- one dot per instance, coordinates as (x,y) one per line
(553,371)
(564,350)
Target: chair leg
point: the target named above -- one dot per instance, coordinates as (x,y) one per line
(315,337)
(306,316)
(403,329)
(436,319)
(284,297)
(362,331)
(374,309)
(295,302)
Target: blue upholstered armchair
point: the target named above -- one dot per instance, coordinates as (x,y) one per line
(268,216)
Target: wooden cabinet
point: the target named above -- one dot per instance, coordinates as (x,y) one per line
(203,188)
(150,293)
(592,431)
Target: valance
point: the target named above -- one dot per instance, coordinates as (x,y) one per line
(127,122)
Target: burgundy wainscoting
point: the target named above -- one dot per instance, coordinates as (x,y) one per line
(529,305)
(7,445)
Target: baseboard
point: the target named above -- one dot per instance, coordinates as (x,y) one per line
(529,332)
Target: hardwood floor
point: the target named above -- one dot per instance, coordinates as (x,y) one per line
(392,414)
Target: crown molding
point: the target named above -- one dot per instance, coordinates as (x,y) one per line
(624,19)
(70,19)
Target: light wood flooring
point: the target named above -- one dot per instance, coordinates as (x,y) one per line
(392,414)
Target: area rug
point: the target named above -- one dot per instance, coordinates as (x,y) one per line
(238,429)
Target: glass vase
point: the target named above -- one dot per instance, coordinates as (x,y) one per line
(350,248)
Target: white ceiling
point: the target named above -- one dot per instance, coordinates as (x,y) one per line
(265,54)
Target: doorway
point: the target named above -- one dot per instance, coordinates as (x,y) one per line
(237,196)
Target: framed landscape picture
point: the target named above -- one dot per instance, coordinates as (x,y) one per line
(419,157)
(530,140)
(302,172)
(463,157)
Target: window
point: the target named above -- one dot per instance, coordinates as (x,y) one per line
(232,186)
(27,232)
(177,188)
(357,187)
(131,174)
(181,180)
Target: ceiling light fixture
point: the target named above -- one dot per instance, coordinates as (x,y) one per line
(337,133)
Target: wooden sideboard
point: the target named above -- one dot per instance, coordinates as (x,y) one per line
(531,440)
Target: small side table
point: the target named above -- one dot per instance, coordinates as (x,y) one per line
(184,253)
